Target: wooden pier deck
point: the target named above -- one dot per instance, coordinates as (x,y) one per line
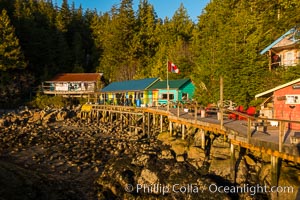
(252,133)
(275,141)
(262,141)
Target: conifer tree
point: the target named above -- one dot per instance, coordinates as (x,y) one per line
(63,17)
(174,37)
(180,31)
(119,61)
(146,37)
(11,56)
(123,45)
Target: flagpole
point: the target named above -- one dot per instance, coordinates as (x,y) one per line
(168,88)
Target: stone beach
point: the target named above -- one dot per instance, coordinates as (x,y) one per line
(53,154)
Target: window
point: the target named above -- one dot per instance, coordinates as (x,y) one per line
(140,95)
(184,96)
(118,95)
(289,58)
(292,99)
(165,96)
(276,60)
(91,86)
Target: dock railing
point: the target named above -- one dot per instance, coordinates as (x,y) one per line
(263,124)
(246,133)
(254,124)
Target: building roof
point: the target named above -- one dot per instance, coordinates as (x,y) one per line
(266,93)
(130,85)
(173,84)
(289,38)
(76,77)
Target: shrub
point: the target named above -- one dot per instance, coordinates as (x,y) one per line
(42,101)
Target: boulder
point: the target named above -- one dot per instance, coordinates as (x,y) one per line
(249,160)
(14,119)
(220,167)
(147,177)
(196,153)
(220,149)
(50,117)
(141,160)
(242,172)
(198,139)
(61,115)
(3,122)
(265,175)
(35,117)
(264,157)
(165,138)
(220,142)
(290,181)
(7,120)
(166,154)
(180,158)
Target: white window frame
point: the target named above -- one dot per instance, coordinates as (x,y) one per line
(185,94)
(292,99)
(289,58)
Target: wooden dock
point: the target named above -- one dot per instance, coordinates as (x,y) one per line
(248,133)
(274,141)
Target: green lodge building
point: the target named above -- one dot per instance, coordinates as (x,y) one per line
(179,90)
(147,92)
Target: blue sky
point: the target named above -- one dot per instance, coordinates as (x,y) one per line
(163,8)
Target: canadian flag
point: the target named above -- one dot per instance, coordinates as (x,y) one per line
(172,68)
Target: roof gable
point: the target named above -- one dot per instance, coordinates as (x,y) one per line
(289,38)
(130,85)
(173,84)
(76,77)
(277,88)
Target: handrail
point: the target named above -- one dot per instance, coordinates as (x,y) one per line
(209,126)
(260,118)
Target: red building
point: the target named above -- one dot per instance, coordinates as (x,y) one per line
(283,102)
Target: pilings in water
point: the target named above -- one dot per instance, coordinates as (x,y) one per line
(161,123)
(232,163)
(128,118)
(182,131)
(203,142)
(171,128)
(275,168)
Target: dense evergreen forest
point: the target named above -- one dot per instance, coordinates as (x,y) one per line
(40,39)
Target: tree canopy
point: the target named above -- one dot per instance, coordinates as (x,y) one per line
(11,56)
(45,39)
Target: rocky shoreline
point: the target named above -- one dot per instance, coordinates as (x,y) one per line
(55,155)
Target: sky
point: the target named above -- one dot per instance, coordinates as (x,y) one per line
(163,8)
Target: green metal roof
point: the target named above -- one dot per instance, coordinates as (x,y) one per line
(173,84)
(130,85)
